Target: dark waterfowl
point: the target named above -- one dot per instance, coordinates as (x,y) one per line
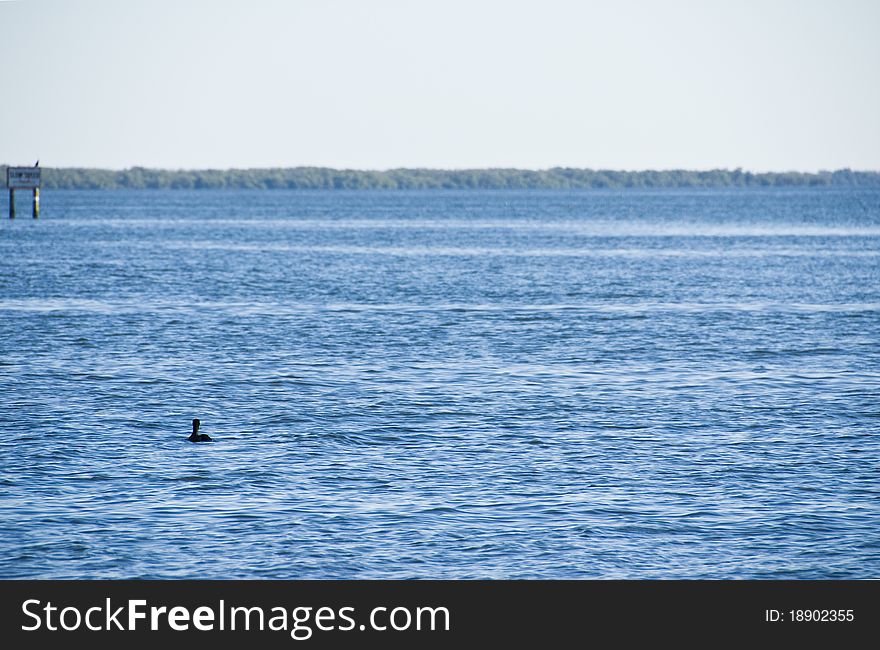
(199,437)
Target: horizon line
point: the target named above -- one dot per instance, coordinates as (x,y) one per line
(457,169)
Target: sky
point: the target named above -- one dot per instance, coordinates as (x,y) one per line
(766,85)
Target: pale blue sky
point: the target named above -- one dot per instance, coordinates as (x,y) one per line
(624,84)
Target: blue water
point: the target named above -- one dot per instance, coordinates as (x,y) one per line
(594,384)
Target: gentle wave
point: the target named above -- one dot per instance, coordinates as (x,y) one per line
(575,226)
(422,251)
(48,305)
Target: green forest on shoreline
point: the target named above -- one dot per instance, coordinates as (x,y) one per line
(324,178)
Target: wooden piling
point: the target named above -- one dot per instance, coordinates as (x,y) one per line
(36,202)
(11,203)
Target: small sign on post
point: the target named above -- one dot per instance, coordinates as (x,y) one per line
(23,178)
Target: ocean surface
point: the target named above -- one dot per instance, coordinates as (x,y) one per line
(482,384)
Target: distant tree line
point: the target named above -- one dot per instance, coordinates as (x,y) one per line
(323,178)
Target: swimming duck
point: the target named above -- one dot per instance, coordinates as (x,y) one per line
(199,437)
